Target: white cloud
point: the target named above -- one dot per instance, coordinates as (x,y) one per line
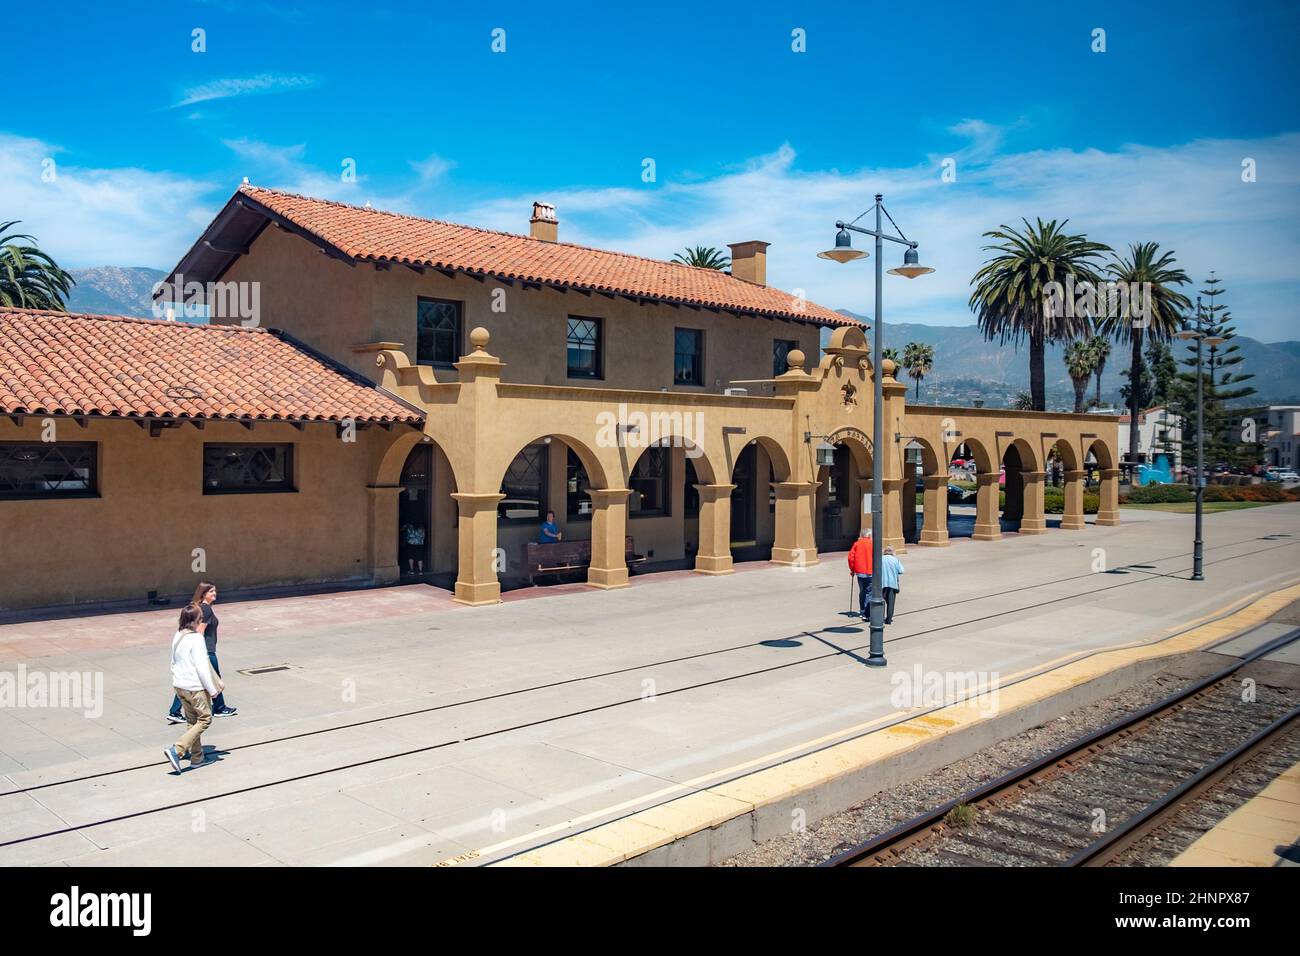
(89,217)
(245,86)
(1188,197)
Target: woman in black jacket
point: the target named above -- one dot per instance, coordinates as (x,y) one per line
(205,595)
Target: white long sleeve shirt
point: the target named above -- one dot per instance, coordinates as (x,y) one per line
(190,667)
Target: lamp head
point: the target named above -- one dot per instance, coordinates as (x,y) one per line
(911,267)
(843,251)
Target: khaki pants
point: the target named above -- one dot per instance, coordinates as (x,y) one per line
(197,707)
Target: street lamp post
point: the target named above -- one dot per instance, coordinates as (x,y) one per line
(843,251)
(1201,338)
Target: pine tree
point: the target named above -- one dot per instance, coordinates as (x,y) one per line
(1225,394)
(1164,370)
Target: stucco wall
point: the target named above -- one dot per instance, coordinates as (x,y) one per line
(139,534)
(333,306)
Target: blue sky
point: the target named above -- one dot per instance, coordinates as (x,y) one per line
(749,138)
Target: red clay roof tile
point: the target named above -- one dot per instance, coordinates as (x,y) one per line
(58,363)
(378,236)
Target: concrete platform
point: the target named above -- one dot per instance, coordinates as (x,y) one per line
(1264,831)
(409,730)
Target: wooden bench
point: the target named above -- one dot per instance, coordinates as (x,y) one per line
(564,556)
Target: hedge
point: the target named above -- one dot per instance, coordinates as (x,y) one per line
(1178,494)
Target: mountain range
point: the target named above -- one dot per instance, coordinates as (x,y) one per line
(966,366)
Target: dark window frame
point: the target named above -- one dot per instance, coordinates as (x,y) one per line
(575,470)
(92,480)
(665,508)
(290,485)
(698,369)
(598,373)
(781,360)
(458,335)
(543,491)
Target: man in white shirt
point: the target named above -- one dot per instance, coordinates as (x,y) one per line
(195,685)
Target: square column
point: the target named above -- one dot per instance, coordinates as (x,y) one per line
(892,514)
(1108,506)
(934,528)
(608,568)
(795,542)
(1072,519)
(987,526)
(381,534)
(1034,521)
(478,563)
(714,555)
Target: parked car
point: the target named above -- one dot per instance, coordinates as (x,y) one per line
(1288,476)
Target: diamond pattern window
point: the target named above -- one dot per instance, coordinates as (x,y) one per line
(437,332)
(584,347)
(247,469)
(48,470)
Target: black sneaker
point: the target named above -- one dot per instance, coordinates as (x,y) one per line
(227,712)
(175,718)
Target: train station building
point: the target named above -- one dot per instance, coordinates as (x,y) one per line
(409,397)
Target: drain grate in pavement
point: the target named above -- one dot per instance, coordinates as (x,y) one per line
(269,669)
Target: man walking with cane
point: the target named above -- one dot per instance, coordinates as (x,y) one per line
(860,567)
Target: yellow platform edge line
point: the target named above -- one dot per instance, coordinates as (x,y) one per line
(648,829)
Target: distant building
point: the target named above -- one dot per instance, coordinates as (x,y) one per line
(1280,434)
(1159,444)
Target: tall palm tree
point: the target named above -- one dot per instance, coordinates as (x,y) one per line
(1100,346)
(918,359)
(891,354)
(1080,360)
(1011,295)
(1163,307)
(28,277)
(703,257)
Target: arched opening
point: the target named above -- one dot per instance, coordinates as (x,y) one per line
(923,498)
(426,517)
(1100,472)
(842,487)
(757,468)
(550,478)
(666,502)
(967,462)
(1063,487)
(1022,489)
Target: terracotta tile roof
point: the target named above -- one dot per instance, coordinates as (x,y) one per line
(62,363)
(373,235)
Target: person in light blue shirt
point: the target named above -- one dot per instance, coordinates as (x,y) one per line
(890,571)
(550,530)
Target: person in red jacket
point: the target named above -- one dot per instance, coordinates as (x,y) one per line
(860,565)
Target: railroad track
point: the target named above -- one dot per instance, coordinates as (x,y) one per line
(1095,799)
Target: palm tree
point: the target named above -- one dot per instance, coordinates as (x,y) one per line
(918,359)
(1024,402)
(891,354)
(703,257)
(1011,294)
(28,277)
(1100,346)
(1145,265)
(1080,360)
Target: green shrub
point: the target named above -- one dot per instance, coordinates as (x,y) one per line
(1054,501)
(1160,495)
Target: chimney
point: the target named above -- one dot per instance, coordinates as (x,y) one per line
(749,260)
(544,225)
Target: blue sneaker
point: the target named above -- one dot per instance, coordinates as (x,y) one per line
(172,759)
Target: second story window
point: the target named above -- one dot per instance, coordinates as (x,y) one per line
(688,360)
(584,347)
(437,332)
(781,349)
